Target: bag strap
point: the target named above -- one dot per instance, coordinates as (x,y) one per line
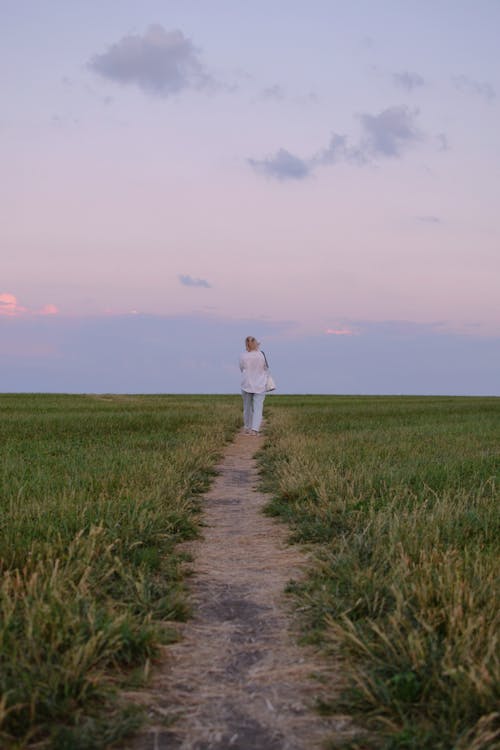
(265,359)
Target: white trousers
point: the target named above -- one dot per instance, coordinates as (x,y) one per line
(253,404)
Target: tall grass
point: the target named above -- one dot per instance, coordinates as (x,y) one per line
(400,497)
(95,492)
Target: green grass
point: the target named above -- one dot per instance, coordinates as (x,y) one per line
(398,496)
(95,493)
(399,499)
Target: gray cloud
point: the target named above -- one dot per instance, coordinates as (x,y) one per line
(286,166)
(429,219)
(408,80)
(159,62)
(389,132)
(443,143)
(469,86)
(282,166)
(187,280)
(338,150)
(276,93)
(62,121)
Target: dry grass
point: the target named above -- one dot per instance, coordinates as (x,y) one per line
(401,497)
(95,495)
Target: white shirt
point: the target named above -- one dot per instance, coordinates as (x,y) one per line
(253,368)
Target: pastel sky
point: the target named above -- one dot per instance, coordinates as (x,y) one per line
(178,174)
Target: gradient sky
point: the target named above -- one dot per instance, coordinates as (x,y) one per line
(178,174)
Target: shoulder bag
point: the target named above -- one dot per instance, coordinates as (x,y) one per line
(270,384)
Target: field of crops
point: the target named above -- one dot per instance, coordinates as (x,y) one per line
(399,499)
(95,491)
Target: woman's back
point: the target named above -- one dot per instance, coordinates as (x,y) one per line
(253,368)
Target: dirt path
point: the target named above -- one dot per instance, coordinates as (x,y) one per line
(237,680)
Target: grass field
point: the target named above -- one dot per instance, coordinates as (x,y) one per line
(95,492)
(399,498)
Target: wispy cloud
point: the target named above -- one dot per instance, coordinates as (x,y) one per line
(402,328)
(48,310)
(478,88)
(408,80)
(338,150)
(187,280)
(10,307)
(159,62)
(274,93)
(387,134)
(340,332)
(443,142)
(396,328)
(429,219)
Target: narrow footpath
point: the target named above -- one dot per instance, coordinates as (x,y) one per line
(238,680)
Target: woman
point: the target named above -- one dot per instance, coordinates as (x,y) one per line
(253,385)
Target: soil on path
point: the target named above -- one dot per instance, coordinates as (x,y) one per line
(238,680)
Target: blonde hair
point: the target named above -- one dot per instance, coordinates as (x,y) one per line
(251,343)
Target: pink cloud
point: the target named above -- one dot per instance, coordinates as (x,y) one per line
(10,307)
(339,332)
(48,310)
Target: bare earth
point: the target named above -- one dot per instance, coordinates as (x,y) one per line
(238,680)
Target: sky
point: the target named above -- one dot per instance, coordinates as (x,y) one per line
(179,174)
